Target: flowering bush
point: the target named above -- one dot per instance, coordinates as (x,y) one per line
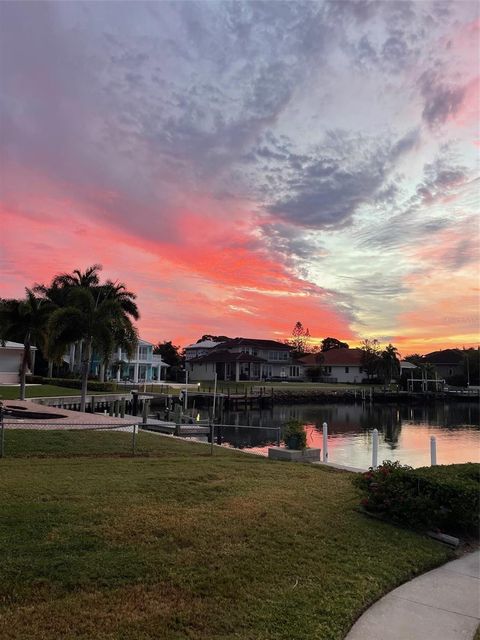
(444,498)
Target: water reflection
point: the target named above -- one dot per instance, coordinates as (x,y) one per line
(404,430)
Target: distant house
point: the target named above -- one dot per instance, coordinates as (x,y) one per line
(447,363)
(245,359)
(11,354)
(338,365)
(145,366)
(199,349)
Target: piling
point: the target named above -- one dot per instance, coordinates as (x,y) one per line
(325,442)
(375,449)
(433,450)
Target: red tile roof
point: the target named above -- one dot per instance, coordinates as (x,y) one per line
(334,357)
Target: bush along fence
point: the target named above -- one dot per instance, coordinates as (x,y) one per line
(439,498)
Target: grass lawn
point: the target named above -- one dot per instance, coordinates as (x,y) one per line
(177,544)
(12,392)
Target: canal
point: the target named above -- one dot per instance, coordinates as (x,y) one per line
(404,430)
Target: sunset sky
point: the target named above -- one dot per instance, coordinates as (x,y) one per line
(242,166)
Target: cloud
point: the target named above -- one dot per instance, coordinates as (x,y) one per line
(335,179)
(442,101)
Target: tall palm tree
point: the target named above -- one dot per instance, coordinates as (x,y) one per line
(25,321)
(94,316)
(56,296)
(118,292)
(390,363)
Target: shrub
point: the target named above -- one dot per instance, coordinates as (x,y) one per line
(443,497)
(294,435)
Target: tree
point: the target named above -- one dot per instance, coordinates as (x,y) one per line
(370,356)
(56,297)
(24,321)
(208,336)
(390,363)
(99,316)
(300,339)
(333,343)
(414,358)
(171,355)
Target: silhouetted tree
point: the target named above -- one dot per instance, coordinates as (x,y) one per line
(300,339)
(333,343)
(370,356)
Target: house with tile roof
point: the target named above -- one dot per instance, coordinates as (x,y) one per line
(337,365)
(246,359)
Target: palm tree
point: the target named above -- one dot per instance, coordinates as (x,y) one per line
(25,321)
(97,315)
(390,364)
(56,296)
(118,292)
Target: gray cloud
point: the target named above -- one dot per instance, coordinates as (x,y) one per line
(327,186)
(441,100)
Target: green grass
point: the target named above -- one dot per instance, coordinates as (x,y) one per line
(177,544)
(11,392)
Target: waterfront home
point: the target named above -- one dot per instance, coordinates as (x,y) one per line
(11,354)
(246,359)
(199,349)
(447,362)
(336,365)
(145,366)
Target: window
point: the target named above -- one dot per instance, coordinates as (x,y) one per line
(347,369)
(294,371)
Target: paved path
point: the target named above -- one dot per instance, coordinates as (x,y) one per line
(443,604)
(67,419)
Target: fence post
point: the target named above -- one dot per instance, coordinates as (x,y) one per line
(122,407)
(325,442)
(145,412)
(375,449)
(212,435)
(134,402)
(433,450)
(278,436)
(2,434)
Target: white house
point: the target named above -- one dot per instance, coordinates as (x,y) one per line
(245,359)
(11,360)
(338,365)
(145,366)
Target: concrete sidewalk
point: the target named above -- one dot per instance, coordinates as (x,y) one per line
(443,604)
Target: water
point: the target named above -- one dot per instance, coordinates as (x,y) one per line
(404,431)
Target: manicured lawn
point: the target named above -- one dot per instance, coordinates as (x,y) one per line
(12,392)
(177,544)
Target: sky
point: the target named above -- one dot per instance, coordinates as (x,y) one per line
(242,166)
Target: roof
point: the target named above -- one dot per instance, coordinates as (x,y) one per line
(334,357)
(447,356)
(311,360)
(254,342)
(405,364)
(205,344)
(226,356)
(14,345)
